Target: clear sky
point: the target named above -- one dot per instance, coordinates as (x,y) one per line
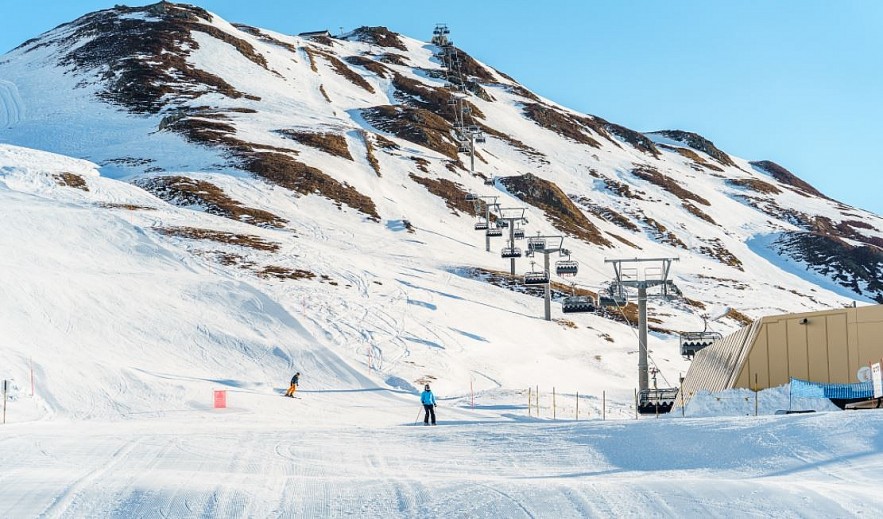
(794,81)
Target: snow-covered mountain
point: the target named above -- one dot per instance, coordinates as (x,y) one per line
(256,201)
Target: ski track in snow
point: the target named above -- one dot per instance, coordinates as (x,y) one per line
(12,108)
(223,464)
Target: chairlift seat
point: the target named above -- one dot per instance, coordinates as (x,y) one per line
(480,226)
(519,234)
(494,232)
(692,342)
(502,224)
(463,149)
(660,400)
(577,304)
(536,244)
(489,181)
(480,139)
(536,278)
(566,268)
(471,197)
(510,252)
(609,300)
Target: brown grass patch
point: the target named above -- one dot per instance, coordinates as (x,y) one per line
(416,125)
(127,207)
(695,211)
(287,172)
(553,120)
(71,180)
(266,38)
(786,177)
(689,154)
(144,62)
(650,174)
(348,73)
(324,93)
(380,36)
(369,152)
(560,210)
(369,64)
(331,143)
(311,55)
(279,272)
(394,59)
(453,194)
(241,240)
(661,234)
(566,323)
(739,317)
(715,249)
(755,185)
(607,214)
(184,191)
(698,142)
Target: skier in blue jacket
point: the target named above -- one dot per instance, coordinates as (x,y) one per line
(428,400)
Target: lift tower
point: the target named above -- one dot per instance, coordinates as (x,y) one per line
(544,245)
(652,276)
(512,216)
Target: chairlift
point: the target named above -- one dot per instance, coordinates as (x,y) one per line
(480,138)
(458,126)
(471,197)
(452,102)
(467,109)
(481,225)
(518,234)
(692,342)
(536,244)
(566,267)
(494,232)
(613,297)
(510,252)
(659,400)
(473,129)
(536,277)
(502,224)
(578,304)
(463,149)
(489,181)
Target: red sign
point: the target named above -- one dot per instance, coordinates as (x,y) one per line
(220,399)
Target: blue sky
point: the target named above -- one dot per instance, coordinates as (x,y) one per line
(794,81)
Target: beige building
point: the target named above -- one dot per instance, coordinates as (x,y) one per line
(828,346)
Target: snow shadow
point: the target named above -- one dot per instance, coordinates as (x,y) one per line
(424,304)
(430,290)
(472,336)
(425,342)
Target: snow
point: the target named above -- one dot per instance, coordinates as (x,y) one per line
(128,331)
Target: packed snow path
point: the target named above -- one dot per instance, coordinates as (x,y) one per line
(12,109)
(354,454)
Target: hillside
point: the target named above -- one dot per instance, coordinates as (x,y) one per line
(286,167)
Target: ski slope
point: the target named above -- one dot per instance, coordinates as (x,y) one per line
(129,332)
(342,455)
(116,330)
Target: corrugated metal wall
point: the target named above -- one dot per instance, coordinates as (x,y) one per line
(828,347)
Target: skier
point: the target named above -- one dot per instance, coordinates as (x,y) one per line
(293,387)
(428,400)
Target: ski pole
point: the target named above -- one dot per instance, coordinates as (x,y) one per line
(418,416)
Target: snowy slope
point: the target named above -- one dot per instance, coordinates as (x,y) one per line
(175,237)
(225,111)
